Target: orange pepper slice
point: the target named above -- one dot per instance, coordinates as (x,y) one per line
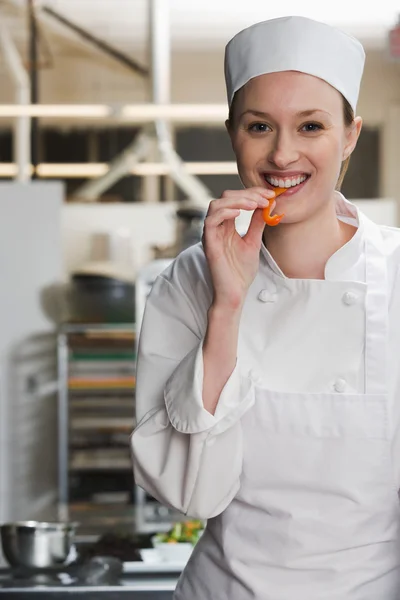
(272,221)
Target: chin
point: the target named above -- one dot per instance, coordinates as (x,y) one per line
(292,217)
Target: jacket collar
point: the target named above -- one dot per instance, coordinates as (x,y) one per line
(344,258)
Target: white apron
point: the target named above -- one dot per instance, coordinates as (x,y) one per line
(316,516)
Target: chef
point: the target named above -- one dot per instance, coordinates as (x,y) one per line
(268,386)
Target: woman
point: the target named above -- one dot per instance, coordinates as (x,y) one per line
(268,388)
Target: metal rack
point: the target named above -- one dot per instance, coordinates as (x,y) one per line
(145,514)
(84,402)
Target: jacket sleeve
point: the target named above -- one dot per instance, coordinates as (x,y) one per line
(182,455)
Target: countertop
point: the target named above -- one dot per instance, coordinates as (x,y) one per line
(148,587)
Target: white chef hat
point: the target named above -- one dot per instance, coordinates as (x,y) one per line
(295,44)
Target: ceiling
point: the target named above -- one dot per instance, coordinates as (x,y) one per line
(202,24)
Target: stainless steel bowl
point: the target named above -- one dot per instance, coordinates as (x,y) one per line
(34,544)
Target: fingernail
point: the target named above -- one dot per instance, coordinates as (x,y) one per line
(264,202)
(269,193)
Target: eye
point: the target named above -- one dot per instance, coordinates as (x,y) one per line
(258,127)
(311,127)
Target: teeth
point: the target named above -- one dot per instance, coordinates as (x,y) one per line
(285,183)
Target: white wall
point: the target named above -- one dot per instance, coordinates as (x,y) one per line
(149,224)
(30,260)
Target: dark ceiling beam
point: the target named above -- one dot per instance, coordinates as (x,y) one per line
(34,81)
(98,43)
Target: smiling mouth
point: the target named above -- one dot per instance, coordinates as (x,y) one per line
(286,182)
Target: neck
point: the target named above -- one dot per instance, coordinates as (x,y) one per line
(302,249)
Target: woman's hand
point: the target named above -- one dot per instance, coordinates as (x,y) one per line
(233,260)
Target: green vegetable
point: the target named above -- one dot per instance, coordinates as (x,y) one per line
(187,531)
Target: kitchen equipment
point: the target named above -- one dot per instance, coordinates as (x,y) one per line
(66,584)
(99,299)
(174,553)
(119,545)
(100,570)
(90,298)
(34,544)
(189,223)
(101,289)
(189,226)
(115,246)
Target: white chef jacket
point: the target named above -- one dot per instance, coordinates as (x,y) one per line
(179,448)
(193,461)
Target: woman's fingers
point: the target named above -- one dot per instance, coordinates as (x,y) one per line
(220,216)
(238,203)
(245,200)
(227,208)
(256,227)
(234,262)
(265,192)
(255,231)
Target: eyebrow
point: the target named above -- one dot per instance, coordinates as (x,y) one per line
(303,113)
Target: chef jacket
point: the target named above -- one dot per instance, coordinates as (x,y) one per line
(192,460)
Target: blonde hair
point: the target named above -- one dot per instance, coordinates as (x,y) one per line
(348,116)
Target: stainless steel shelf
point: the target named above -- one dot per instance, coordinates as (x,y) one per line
(97,327)
(89,412)
(99,459)
(99,423)
(114,466)
(109,403)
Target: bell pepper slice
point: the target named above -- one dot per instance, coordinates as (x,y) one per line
(273,220)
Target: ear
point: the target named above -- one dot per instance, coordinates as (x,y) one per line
(352,135)
(229,129)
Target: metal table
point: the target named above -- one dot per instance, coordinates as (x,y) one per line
(149,587)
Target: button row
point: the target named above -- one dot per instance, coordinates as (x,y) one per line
(267,296)
(348,298)
(340,386)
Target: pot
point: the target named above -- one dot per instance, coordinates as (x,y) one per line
(98,299)
(36,545)
(189,226)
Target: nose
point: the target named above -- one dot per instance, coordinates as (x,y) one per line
(283,151)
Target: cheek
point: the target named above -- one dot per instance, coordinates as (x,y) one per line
(249,152)
(327,157)
(332,149)
(248,157)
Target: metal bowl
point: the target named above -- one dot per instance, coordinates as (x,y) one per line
(33,544)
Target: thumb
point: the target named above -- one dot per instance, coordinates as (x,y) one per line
(256,228)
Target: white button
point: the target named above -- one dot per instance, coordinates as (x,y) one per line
(340,386)
(210,441)
(350,298)
(267,296)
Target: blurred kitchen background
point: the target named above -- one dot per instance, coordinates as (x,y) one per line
(112,143)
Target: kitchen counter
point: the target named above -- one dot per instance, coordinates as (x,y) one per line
(149,587)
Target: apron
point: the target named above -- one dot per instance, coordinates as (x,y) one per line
(316,516)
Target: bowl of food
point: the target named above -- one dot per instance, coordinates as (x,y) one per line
(37,545)
(177,544)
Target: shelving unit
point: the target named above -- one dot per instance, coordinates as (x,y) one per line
(96,366)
